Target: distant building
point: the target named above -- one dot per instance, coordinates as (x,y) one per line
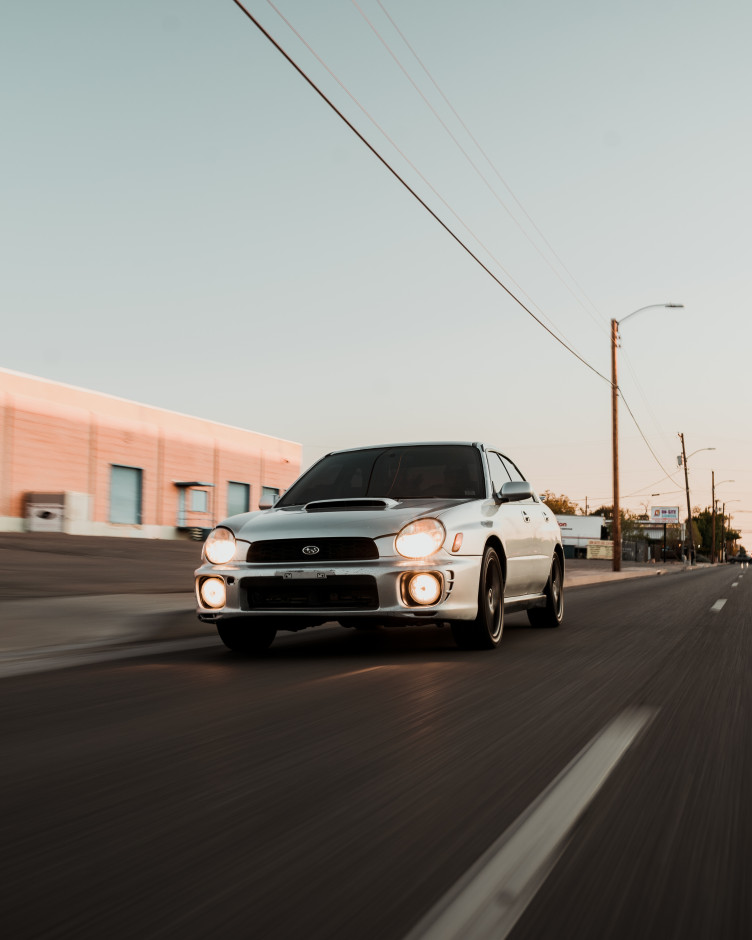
(78,461)
(579,533)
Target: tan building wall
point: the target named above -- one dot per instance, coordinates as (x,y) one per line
(58,439)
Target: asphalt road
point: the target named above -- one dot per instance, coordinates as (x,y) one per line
(342,786)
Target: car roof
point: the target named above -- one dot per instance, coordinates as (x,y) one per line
(346,450)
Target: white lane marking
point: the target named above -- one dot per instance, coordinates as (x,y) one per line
(25,663)
(488,900)
(719,604)
(735,584)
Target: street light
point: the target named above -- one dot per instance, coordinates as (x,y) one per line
(683,459)
(616,521)
(712,544)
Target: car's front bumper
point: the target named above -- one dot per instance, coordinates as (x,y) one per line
(372,591)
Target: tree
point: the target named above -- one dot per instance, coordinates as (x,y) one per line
(703,525)
(560,505)
(630,527)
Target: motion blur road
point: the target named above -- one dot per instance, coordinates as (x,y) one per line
(342,786)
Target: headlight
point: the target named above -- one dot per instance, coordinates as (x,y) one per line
(219,548)
(420,539)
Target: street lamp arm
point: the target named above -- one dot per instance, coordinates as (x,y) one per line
(649,307)
(699,450)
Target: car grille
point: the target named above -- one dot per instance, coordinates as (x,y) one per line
(278,551)
(348,592)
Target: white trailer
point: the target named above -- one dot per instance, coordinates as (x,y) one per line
(577,531)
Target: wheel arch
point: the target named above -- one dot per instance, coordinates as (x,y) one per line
(494,542)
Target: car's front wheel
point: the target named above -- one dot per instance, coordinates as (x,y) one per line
(553,613)
(484,633)
(245,636)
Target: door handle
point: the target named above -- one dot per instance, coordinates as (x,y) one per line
(525,516)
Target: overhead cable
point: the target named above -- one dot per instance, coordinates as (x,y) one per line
(407,160)
(600,322)
(415,195)
(642,435)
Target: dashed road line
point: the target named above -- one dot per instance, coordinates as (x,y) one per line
(488,901)
(735,584)
(719,605)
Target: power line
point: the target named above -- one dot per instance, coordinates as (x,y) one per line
(642,435)
(661,431)
(416,170)
(415,195)
(599,322)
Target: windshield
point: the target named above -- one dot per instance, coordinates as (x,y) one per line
(450,471)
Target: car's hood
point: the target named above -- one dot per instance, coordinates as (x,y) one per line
(297,522)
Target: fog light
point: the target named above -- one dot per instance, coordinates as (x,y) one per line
(424,588)
(213,592)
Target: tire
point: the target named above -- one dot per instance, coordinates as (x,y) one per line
(553,613)
(484,633)
(245,636)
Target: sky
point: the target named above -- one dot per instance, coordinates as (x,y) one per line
(186,223)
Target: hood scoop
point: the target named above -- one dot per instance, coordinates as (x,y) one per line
(349,505)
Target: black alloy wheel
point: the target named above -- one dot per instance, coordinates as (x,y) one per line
(553,613)
(484,633)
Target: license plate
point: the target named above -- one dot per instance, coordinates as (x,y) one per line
(303,574)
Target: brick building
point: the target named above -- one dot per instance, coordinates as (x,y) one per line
(82,462)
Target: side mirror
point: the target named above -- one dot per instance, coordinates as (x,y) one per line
(514,492)
(269,503)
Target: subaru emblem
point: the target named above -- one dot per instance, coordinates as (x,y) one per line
(311,550)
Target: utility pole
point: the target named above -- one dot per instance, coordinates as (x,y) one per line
(712,549)
(723,544)
(616,516)
(690,537)
(616,521)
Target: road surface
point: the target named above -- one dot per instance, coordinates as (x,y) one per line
(591,781)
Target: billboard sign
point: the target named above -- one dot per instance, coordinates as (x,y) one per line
(664,514)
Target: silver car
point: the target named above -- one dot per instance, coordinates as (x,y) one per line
(396,535)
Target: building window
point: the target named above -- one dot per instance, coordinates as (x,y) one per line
(125,494)
(238,498)
(199,501)
(269,495)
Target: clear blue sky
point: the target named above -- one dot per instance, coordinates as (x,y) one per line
(185,223)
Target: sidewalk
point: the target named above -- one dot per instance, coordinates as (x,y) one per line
(581,572)
(49,625)
(65,623)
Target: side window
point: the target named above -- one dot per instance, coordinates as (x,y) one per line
(499,472)
(515,475)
